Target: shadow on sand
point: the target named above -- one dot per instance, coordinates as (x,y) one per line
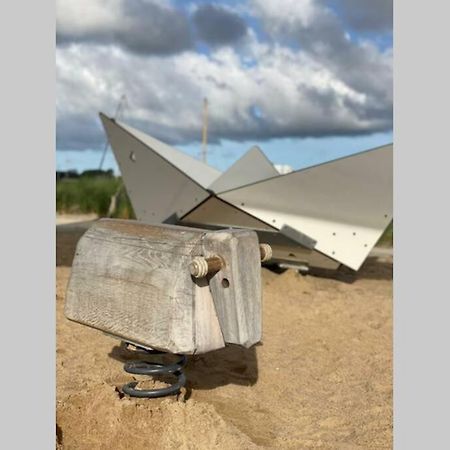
(374,268)
(230,365)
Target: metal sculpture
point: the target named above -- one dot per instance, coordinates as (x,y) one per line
(325,215)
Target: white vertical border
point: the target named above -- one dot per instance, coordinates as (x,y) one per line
(27,115)
(422,225)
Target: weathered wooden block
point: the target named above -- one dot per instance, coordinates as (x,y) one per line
(133,281)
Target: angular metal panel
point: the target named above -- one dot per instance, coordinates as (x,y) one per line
(158,190)
(284,249)
(298,237)
(345,205)
(253,166)
(195,169)
(342,206)
(216,212)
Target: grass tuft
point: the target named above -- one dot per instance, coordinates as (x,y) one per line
(92,194)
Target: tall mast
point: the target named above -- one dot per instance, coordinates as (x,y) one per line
(205,131)
(119,109)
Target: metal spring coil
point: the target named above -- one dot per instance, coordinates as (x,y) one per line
(152,369)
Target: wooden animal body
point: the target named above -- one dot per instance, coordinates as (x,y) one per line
(169,288)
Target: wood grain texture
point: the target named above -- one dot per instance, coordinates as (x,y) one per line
(132,280)
(236,288)
(208,334)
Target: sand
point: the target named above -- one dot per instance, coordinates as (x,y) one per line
(62,219)
(321,378)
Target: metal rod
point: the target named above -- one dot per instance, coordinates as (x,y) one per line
(200,266)
(205,131)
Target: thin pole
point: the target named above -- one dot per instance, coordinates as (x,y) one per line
(205,131)
(120,106)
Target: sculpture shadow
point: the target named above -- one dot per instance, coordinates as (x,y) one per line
(230,365)
(373,268)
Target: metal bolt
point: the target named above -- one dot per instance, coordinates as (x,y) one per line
(265,251)
(201,266)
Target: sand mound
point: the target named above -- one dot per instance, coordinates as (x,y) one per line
(101,418)
(321,378)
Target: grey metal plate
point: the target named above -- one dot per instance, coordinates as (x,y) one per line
(219,213)
(253,166)
(158,190)
(297,236)
(342,206)
(345,205)
(195,169)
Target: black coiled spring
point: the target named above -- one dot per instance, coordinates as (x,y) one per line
(152,369)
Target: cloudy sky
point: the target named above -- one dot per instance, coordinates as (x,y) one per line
(304,79)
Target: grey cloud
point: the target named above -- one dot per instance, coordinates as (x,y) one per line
(79,132)
(365,15)
(217,83)
(318,116)
(363,68)
(141,27)
(246,103)
(322,122)
(217,26)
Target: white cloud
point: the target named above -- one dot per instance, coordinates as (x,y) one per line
(139,26)
(258,90)
(288,13)
(78,17)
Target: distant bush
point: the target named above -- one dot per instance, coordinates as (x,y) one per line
(97,173)
(387,238)
(66,174)
(92,194)
(62,174)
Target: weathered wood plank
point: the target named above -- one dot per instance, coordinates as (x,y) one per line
(208,334)
(236,288)
(132,280)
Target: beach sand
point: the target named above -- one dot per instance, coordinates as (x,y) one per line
(321,378)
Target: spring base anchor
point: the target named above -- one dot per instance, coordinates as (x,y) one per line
(152,369)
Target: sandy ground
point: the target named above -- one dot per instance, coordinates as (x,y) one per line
(321,378)
(74,218)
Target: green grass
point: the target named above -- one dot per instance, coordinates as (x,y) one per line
(387,238)
(92,194)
